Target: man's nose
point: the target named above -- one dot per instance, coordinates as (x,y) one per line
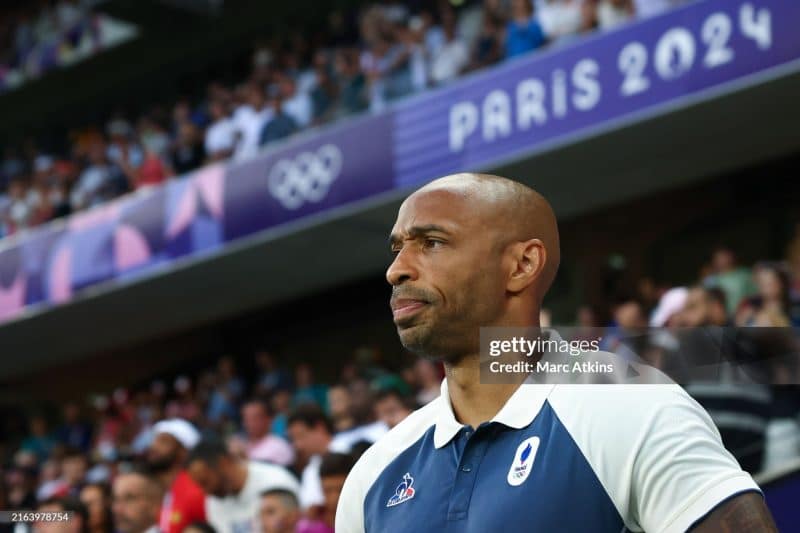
(401,269)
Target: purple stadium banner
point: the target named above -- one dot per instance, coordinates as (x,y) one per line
(529,103)
(517,108)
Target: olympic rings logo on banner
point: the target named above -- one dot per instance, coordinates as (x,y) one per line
(306,178)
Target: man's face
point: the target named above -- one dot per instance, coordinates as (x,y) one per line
(73,469)
(210,478)
(695,311)
(391,411)
(255,420)
(73,525)
(306,440)
(275,517)
(446,274)
(164,452)
(134,505)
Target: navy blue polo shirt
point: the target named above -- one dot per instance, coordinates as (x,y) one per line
(584,458)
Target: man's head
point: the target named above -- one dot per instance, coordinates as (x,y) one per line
(171,444)
(279,512)
(213,468)
(309,430)
(704,307)
(332,472)
(74,466)
(256,418)
(471,250)
(136,500)
(391,407)
(77,522)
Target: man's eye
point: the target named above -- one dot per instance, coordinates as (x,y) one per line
(433,243)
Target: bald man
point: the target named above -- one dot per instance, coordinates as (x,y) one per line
(473,251)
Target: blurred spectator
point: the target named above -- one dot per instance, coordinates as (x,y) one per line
(136,500)
(121,149)
(73,431)
(311,433)
(270,376)
(280,125)
(39,441)
(279,512)
(333,471)
(452,57)
(523,32)
(649,8)
(281,403)
(249,119)
(735,281)
(488,46)
(391,407)
(78,522)
(220,137)
(307,391)
(340,408)
(428,380)
(100,181)
(227,392)
(259,444)
(74,466)
(352,83)
(613,13)
(772,305)
(296,104)
(97,499)
(234,487)
(666,314)
(562,19)
(184,404)
(704,307)
(188,152)
(184,501)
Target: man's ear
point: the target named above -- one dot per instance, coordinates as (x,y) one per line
(529,258)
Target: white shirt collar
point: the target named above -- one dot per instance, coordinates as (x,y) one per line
(518,412)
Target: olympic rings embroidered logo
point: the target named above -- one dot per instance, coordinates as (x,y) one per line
(306,178)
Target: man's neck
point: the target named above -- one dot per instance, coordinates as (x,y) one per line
(475,402)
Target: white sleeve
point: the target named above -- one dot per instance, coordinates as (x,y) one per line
(682,471)
(654,449)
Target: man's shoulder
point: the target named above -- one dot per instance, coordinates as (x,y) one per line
(636,402)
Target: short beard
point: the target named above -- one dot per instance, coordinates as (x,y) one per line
(423,345)
(163,464)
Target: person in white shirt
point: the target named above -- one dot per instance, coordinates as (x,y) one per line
(234,486)
(248,120)
(451,57)
(296,104)
(612,13)
(221,134)
(136,501)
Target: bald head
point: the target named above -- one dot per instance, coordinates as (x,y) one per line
(511,211)
(472,250)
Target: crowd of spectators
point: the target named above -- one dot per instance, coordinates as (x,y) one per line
(371,58)
(231,451)
(37,36)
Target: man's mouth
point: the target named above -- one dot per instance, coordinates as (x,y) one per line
(403,308)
